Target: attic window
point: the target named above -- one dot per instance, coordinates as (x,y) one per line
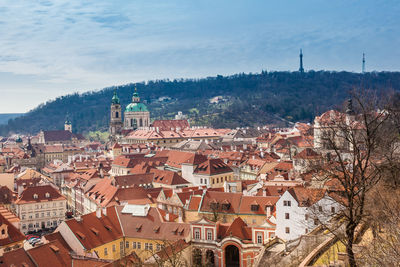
(226,206)
(47,195)
(54,248)
(138,227)
(156,229)
(35,196)
(80,235)
(109,228)
(254,207)
(94,230)
(181,231)
(175,230)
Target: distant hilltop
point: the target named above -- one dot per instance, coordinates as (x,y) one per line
(239,100)
(4,117)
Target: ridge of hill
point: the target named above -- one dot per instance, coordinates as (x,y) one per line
(244,100)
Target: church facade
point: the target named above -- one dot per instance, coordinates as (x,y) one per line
(136,115)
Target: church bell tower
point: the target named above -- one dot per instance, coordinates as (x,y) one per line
(116,115)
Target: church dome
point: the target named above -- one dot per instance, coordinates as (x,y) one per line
(136,107)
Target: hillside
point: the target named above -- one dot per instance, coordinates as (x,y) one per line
(248,100)
(4,117)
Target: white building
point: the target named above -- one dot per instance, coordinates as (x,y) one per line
(300,210)
(40,207)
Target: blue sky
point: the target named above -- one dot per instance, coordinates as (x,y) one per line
(52,48)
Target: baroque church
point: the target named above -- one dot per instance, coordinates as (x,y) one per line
(136,115)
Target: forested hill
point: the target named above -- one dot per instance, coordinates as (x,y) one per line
(247,100)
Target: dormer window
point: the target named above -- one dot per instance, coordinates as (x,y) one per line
(226,205)
(35,196)
(254,207)
(47,195)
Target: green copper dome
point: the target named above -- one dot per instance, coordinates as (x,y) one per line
(19,140)
(115,98)
(68,122)
(136,107)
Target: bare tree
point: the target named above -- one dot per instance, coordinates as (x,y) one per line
(170,254)
(359,146)
(383,245)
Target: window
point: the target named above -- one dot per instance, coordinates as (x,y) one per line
(146,246)
(127,244)
(320,208)
(287,203)
(209,234)
(48,214)
(306,231)
(139,245)
(287,230)
(37,215)
(24,226)
(197,234)
(254,207)
(113,248)
(158,247)
(306,217)
(150,246)
(105,252)
(259,238)
(315,221)
(333,209)
(287,216)
(134,245)
(201,180)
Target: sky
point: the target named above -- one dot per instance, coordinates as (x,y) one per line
(53,48)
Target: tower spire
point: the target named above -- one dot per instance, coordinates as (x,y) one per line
(301,69)
(363,63)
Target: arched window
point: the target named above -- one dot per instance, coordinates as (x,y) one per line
(117,114)
(140,122)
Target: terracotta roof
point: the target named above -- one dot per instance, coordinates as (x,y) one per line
(168,177)
(17,257)
(260,201)
(51,254)
(6,195)
(43,193)
(210,197)
(151,226)
(194,203)
(57,236)
(107,228)
(103,192)
(212,167)
(306,196)
(237,228)
(14,235)
(133,179)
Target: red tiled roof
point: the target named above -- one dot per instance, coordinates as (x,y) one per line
(16,257)
(107,228)
(51,254)
(212,167)
(14,235)
(28,194)
(168,177)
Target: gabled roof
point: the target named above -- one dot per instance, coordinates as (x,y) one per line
(51,254)
(14,235)
(167,125)
(212,167)
(60,135)
(307,153)
(306,197)
(151,226)
(168,177)
(36,194)
(238,228)
(17,257)
(93,232)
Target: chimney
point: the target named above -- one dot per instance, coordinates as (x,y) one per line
(98,212)
(268,211)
